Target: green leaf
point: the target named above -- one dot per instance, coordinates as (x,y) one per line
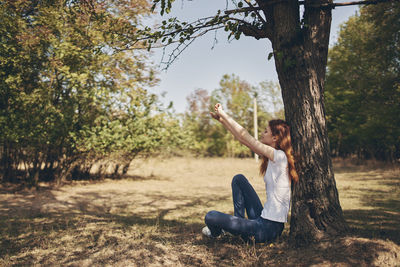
(237,35)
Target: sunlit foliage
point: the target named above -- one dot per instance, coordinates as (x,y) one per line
(237,96)
(363,85)
(70,90)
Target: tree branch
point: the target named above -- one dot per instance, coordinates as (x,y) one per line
(258,14)
(330,5)
(242,10)
(178,50)
(333,5)
(250,30)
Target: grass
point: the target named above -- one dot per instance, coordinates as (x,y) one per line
(154,216)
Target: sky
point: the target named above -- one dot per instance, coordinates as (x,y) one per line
(202,66)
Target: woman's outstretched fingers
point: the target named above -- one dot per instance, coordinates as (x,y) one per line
(218,107)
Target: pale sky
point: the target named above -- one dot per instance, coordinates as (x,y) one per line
(199,66)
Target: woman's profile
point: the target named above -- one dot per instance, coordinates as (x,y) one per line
(263,223)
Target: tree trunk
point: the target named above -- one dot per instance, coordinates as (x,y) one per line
(300,53)
(7,169)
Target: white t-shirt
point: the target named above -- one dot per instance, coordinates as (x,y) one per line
(277,184)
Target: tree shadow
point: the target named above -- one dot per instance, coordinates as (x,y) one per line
(24,225)
(162,230)
(381,216)
(145,178)
(374,224)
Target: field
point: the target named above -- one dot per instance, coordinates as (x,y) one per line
(154,217)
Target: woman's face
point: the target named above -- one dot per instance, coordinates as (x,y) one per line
(267,138)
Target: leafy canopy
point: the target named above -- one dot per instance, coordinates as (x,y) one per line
(362,86)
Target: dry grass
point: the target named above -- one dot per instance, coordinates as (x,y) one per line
(154,216)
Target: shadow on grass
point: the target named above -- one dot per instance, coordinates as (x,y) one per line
(380,219)
(381,216)
(145,178)
(25,228)
(374,224)
(378,191)
(84,229)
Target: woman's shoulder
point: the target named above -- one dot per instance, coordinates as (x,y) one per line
(279,155)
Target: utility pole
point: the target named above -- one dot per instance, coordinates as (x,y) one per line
(255,123)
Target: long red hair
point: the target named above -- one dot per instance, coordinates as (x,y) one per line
(281,130)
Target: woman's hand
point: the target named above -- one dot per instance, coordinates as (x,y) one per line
(218,109)
(215,116)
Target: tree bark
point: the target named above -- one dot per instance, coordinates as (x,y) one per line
(300,52)
(8,172)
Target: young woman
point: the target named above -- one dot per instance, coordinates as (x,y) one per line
(263,223)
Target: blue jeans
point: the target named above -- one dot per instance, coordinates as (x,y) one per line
(244,199)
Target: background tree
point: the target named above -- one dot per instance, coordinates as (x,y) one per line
(198,127)
(69,91)
(300,43)
(237,97)
(362,85)
(210,138)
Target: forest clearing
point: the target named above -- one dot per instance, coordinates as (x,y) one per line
(84,87)
(154,215)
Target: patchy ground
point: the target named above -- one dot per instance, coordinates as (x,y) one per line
(154,216)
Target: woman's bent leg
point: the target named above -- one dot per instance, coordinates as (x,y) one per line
(245,198)
(262,230)
(217,221)
(271,230)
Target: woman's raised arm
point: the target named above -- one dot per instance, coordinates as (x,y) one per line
(242,134)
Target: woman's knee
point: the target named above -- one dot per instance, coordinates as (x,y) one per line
(211,217)
(238,178)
